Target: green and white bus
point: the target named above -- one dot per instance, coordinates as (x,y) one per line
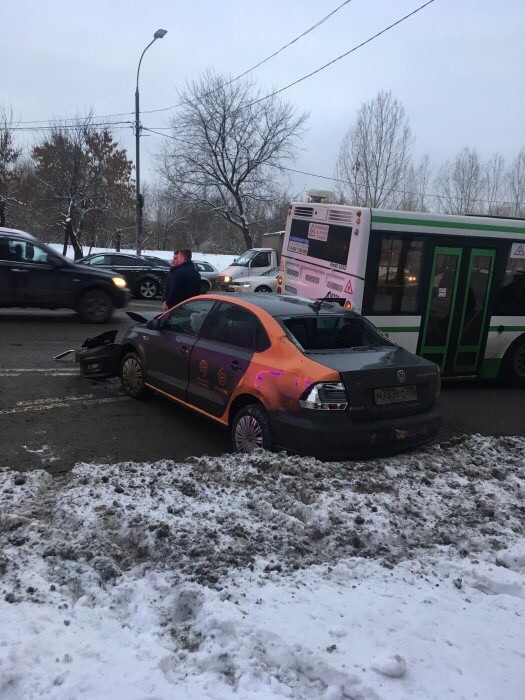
(449,288)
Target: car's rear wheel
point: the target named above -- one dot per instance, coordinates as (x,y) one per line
(514,363)
(147,288)
(250,429)
(95,306)
(263,288)
(132,376)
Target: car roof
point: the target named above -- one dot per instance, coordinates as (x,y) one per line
(113,252)
(17,232)
(286,306)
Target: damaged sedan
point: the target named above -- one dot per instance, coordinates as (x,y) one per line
(280,372)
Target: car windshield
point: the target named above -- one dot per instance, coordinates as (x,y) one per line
(334,332)
(244,259)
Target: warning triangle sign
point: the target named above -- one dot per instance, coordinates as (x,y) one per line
(519,252)
(348,288)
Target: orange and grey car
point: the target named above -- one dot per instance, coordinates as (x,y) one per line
(278,371)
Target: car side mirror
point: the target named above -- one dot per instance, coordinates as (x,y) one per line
(55,262)
(155,324)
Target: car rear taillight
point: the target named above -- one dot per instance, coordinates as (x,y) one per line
(325,396)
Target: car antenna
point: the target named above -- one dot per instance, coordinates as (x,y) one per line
(317,303)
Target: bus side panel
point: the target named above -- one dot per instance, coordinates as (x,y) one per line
(503,331)
(402,330)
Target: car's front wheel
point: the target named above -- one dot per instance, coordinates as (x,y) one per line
(95,306)
(132,376)
(250,429)
(263,288)
(147,288)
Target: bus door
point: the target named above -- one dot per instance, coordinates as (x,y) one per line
(454,326)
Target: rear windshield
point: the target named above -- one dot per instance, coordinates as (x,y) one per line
(334,332)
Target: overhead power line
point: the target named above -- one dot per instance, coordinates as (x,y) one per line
(78,125)
(249,70)
(317,70)
(363,185)
(347,53)
(293,41)
(336,179)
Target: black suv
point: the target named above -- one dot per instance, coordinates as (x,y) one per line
(34,275)
(145,276)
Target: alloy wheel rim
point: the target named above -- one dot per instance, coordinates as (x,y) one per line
(132,375)
(248,434)
(148,290)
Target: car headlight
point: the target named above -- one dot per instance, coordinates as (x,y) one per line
(227,279)
(326,396)
(245,284)
(119,282)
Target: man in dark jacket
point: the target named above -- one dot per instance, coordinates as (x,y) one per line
(182,281)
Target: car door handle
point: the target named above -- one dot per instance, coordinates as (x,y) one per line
(184,349)
(236,365)
(19,269)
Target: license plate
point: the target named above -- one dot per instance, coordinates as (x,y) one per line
(395,394)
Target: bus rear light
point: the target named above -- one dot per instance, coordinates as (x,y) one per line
(279,290)
(348,304)
(279,280)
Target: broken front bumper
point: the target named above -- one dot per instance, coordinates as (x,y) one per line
(99,357)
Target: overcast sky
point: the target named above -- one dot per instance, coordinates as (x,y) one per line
(457,66)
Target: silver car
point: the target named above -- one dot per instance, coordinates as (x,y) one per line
(209,274)
(267,282)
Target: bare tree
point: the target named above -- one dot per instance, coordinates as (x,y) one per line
(460,184)
(375,153)
(493,183)
(229,145)
(9,164)
(414,196)
(515,181)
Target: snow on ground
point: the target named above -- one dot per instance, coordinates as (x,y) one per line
(267,576)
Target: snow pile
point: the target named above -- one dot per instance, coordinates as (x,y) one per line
(268,576)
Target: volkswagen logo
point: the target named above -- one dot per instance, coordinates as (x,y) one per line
(401,376)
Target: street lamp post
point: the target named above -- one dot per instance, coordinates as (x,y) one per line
(139,199)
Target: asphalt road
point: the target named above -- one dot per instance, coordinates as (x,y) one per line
(51,418)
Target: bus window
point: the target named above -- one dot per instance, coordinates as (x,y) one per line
(398,276)
(330,243)
(511,298)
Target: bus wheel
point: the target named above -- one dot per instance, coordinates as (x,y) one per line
(514,363)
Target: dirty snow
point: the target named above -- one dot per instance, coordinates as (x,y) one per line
(266,576)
